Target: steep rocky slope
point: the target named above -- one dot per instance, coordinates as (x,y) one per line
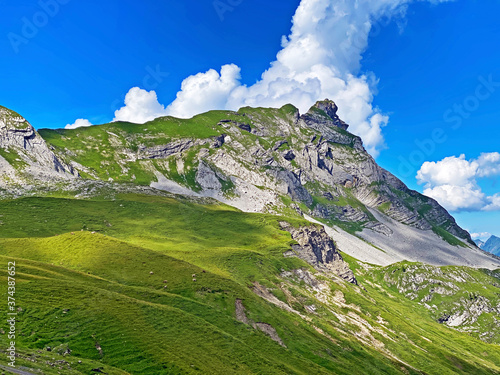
(25,158)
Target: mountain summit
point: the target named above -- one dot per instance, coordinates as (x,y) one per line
(324,112)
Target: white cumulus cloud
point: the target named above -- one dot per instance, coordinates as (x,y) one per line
(457,198)
(493,203)
(205,91)
(140,106)
(79,123)
(449,171)
(482,235)
(319,59)
(489,164)
(453,182)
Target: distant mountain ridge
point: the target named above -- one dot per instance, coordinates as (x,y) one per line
(492,245)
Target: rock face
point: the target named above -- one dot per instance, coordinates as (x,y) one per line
(317,248)
(266,328)
(25,156)
(324,113)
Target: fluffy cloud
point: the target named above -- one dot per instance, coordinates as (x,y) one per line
(319,59)
(79,123)
(453,182)
(449,171)
(493,203)
(140,106)
(482,235)
(489,164)
(458,198)
(205,91)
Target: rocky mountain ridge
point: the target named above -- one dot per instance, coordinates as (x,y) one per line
(256,159)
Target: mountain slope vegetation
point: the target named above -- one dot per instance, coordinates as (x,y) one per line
(232,243)
(98,297)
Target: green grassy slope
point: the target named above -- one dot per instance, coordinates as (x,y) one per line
(455,295)
(104,297)
(140,326)
(105,149)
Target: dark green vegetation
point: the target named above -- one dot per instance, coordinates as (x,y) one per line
(123,299)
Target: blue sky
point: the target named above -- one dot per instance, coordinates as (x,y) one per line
(64,60)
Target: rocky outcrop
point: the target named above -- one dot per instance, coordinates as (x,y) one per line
(164,151)
(323,114)
(346,213)
(468,311)
(29,158)
(447,293)
(317,248)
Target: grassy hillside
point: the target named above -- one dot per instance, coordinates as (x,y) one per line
(104,151)
(123,300)
(465,298)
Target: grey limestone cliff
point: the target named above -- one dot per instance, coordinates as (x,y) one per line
(317,248)
(25,157)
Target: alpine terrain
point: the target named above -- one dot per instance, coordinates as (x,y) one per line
(261,241)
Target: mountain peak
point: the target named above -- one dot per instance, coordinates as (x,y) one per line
(328,106)
(325,111)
